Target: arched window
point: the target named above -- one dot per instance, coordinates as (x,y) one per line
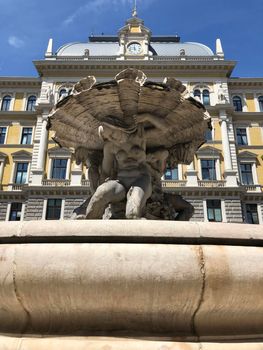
(6,103)
(206,97)
(260,102)
(31,103)
(197,93)
(237,103)
(63,93)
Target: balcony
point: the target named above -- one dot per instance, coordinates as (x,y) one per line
(212,183)
(56,183)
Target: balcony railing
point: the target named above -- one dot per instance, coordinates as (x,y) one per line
(173,183)
(56,182)
(17,187)
(211,183)
(253,188)
(85,182)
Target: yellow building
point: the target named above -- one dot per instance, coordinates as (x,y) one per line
(224,183)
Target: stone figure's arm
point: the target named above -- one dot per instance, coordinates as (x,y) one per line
(159,123)
(108,161)
(159,159)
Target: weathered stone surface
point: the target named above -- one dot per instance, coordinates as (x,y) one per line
(101,343)
(104,287)
(116,281)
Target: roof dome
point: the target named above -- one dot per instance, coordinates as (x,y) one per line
(112,49)
(95,49)
(178,49)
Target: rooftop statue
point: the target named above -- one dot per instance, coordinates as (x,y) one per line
(128,131)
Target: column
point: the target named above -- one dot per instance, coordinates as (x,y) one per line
(42,146)
(2,164)
(191,174)
(229,174)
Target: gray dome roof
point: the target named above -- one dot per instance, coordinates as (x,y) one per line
(95,49)
(174,49)
(112,49)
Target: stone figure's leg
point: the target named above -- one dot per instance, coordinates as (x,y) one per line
(108,192)
(79,213)
(185,209)
(137,196)
(93,175)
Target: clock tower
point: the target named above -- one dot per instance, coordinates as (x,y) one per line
(134,39)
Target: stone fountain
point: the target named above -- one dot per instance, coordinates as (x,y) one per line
(124,282)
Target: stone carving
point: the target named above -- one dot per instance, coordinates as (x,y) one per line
(127,131)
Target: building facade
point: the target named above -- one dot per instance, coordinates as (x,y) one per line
(39,180)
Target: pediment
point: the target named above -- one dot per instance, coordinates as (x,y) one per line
(247,154)
(209,152)
(59,151)
(22,154)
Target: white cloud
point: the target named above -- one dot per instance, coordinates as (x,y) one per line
(98,6)
(15,42)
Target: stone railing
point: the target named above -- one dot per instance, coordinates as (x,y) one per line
(86,58)
(56,182)
(17,187)
(211,183)
(152,58)
(184,58)
(85,182)
(253,188)
(173,183)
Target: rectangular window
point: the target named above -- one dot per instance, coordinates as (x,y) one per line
(26,138)
(242,136)
(208,169)
(21,173)
(59,169)
(2,135)
(15,212)
(214,211)
(246,174)
(53,209)
(208,135)
(252,214)
(171,174)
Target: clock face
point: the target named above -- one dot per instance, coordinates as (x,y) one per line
(134,48)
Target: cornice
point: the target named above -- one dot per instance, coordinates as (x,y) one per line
(245,82)
(18,116)
(16,82)
(105,67)
(247,116)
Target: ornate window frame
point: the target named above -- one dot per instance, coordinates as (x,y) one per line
(207,153)
(251,158)
(20,156)
(59,153)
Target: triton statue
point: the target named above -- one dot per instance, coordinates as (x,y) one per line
(127,131)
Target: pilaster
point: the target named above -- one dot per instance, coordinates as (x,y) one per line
(229,174)
(191,174)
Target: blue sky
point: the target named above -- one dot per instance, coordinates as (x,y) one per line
(26,26)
